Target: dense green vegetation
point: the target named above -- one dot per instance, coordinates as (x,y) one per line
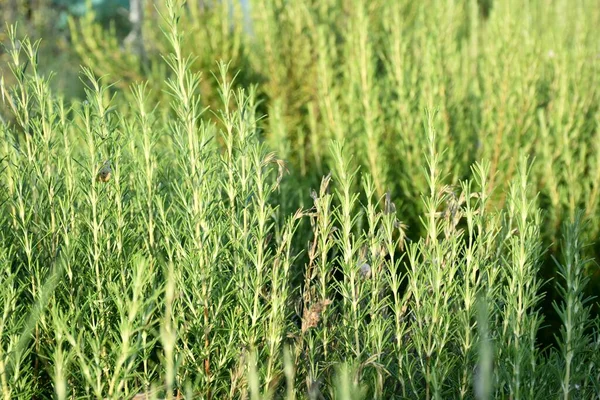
(327,199)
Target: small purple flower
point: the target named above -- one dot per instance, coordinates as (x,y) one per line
(365,270)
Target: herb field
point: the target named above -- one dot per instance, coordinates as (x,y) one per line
(308,199)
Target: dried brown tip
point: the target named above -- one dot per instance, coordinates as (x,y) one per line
(311,316)
(281,170)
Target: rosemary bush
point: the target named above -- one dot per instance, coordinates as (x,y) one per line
(374,235)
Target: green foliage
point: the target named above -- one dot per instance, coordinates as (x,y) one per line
(502,75)
(154,244)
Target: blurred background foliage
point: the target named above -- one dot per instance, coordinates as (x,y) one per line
(505,76)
